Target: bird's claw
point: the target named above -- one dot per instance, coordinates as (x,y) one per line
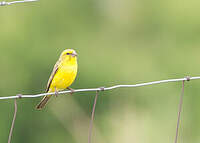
(72,90)
(56,93)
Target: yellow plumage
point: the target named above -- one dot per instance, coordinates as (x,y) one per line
(63,74)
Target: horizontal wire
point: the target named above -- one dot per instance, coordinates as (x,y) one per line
(4,3)
(101,88)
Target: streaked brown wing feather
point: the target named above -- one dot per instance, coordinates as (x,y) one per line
(55,69)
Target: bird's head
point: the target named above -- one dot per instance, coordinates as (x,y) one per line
(69,54)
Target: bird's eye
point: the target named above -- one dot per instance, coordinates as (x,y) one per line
(68,53)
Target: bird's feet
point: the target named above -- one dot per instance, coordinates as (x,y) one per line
(72,90)
(56,93)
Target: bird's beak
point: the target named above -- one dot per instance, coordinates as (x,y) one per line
(74,54)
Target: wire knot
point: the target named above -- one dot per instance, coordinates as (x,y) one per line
(101,88)
(187,78)
(19,96)
(3,3)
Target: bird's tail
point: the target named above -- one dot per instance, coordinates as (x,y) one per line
(43,102)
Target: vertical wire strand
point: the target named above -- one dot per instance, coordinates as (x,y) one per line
(179,112)
(13,122)
(92,118)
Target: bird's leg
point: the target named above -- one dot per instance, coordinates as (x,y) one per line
(56,92)
(72,90)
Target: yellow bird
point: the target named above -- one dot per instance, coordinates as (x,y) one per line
(62,76)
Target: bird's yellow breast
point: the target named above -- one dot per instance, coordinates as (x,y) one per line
(65,75)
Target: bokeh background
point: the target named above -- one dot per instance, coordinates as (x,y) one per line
(118,42)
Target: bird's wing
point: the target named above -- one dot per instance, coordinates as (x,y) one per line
(55,69)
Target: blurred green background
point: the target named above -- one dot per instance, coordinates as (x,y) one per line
(118,42)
